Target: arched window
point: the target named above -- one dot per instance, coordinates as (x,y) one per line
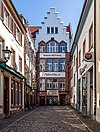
(52,47)
(62,47)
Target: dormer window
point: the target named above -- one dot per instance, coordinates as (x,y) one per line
(42,48)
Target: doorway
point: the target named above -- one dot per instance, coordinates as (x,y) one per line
(62,99)
(42,100)
(6,95)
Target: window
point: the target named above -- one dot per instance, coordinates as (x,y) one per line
(42,84)
(91,37)
(62,84)
(17,93)
(74,79)
(55,65)
(48,30)
(49,65)
(11,25)
(20,64)
(0,49)
(12,91)
(55,84)
(52,30)
(49,83)
(56,30)
(74,60)
(79,57)
(62,65)
(17,34)
(42,48)
(6,17)
(42,65)
(84,48)
(62,47)
(12,58)
(20,93)
(76,64)
(52,47)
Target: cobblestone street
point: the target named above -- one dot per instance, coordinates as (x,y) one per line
(48,119)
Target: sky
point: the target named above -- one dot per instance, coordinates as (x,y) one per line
(35,10)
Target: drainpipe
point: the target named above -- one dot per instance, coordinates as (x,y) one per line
(95,57)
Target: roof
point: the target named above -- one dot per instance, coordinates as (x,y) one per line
(34,28)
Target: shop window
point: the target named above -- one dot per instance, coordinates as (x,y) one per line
(17,94)
(20,94)
(12,92)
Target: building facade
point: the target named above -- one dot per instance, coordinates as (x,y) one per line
(53,43)
(13,75)
(83,94)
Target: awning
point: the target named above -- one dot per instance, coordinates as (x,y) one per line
(11,70)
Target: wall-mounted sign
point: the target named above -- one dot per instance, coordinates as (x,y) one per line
(52,74)
(89,57)
(52,92)
(52,55)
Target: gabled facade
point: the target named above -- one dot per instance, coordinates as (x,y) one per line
(52,43)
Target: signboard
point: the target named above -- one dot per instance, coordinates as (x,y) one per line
(52,92)
(52,55)
(89,57)
(52,74)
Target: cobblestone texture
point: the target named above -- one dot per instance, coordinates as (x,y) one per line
(48,119)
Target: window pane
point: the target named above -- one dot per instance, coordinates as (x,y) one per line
(48,30)
(56,30)
(62,65)
(52,30)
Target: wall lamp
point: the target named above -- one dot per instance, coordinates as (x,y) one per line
(7,54)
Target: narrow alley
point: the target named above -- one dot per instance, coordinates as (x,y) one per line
(48,119)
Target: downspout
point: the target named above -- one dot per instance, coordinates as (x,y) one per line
(95,58)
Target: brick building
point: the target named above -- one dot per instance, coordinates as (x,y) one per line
(52,41)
